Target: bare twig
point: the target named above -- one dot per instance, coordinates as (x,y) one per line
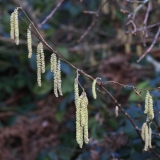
(141,29)
(51,14)
(88,29)
(151,46)
(145,23)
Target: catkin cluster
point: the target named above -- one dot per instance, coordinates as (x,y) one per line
(149,106)
(40,62)
(81,103)
(146,136)
(14,24)
(56,69)
(29,42)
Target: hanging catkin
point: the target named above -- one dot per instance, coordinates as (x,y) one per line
(84,115)
(55,70)
(29,42)
(55,75)
(79,128)
(146,138)
(42,57)
(39,65)
(146,102)
(51,62)
(149,106)
(76,92)
(150,113)
(94,88)
(16,26)
(12,25)
(116,111)
(59,77)
(85,103)
(143,130)
(150,137)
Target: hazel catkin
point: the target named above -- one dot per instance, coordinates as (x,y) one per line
(59,80)
(12,26)
(38,65)
(16,26)
(146,138)
(94,88)
(42,57)
(29,42)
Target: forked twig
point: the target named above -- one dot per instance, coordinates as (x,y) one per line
(151,46)
(51,14)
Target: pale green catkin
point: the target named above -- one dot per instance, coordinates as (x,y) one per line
(143,130)
(84,115)
(42,57)
(12,26)
(150,138)
(55,74)
(59,77)
(29,42)
(149,106)
(146,138)
(146,102)
(94,88)
(116,111)
(83,110)
(86,139)
(39,65)
(150,113)
(51,62)
(16,26)
(76,92)
(54,69)
(79,128)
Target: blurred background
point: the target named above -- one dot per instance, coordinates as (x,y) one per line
(34,125)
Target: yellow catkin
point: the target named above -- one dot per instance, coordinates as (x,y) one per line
(29,42)
(16,26)
(94,88)
(12,25)
(38,65)
(127,48)
(105,8)
(76,92)
(146,138)
(42,57)
(150,113)
(83,110)
(149,106)
(86,139)
(59,77)
(143,130)
(116,111)
(150,137)
(51,62)
(79,128)
(55,74)
(84,115)
(146,102)
(139,49)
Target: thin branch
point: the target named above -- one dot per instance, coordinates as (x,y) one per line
(151,46)
(51,14)
(88,29)
(141,29)
(128,86)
